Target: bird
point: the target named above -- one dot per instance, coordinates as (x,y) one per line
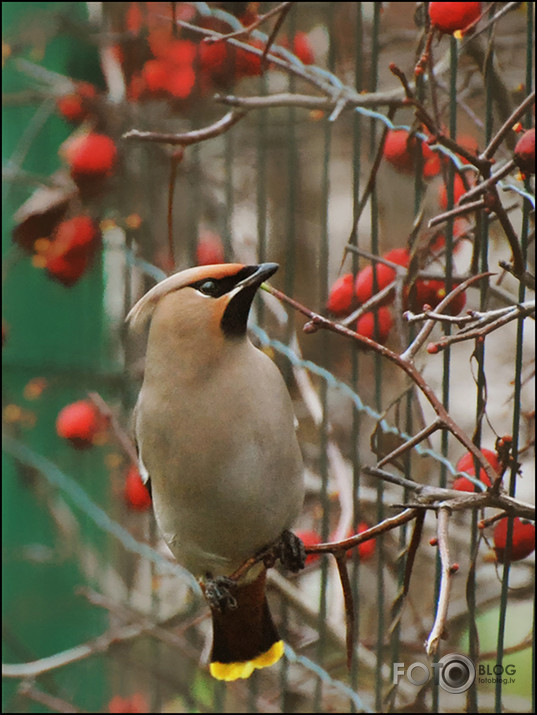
(216,438)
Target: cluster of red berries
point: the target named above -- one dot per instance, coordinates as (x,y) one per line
(523,542)
(349,292)
(180,68)
(403,149)
(82,425)
(65,247)
(68,252)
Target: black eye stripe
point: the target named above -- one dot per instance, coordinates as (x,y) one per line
(221,286)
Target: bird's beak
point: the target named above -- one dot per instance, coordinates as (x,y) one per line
(261,273)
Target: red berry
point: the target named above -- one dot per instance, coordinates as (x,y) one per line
(214,61)
(523,543)
(367,324)
(524,155)
(70,251)
(78,235)
(181,53)
(79,422)
(451,16)
(248,64)
(431,292)
(432,162)
(137,494)
(210,249)
(136,703)
(461,484)
(466,464)
(181,81)
(310,538)
(458,190)
(155,74)
(67,269)
(302,48)
(400,256)
(90,155)
(363,287)
(341,294)
(400,149)
(134,19)
(75,106)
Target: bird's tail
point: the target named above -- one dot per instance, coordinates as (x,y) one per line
(244,638)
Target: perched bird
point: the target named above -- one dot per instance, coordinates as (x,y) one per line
(215,432)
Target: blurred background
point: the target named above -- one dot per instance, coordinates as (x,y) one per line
(96,617)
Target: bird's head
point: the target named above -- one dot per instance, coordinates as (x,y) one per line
(215,298)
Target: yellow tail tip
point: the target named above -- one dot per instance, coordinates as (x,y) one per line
(244,669)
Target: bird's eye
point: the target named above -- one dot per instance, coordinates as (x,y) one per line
(208,288)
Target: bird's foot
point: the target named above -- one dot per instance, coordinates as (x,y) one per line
(219,593)
(291,551)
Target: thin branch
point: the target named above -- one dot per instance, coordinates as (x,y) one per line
(480,332)
(424,333)
(341,561)
(497,139)
(187,138)
(317,321)
(456,211)
(432,496)
(283,9)
(418,437)
(307,101)
(245,31)
(439,625)
(484,186)
(52,702)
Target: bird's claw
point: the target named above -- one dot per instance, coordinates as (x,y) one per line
(219,593)
(291,552)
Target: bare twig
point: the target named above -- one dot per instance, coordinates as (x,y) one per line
(317,321)
(284,7)
(497,139)
(480,332)
(419,437)
(52,702)
(439,625)
(424,333)
(456,211)
(341,561)
(187,138)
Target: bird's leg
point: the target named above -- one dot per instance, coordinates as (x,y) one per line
(218,593)
(291,552)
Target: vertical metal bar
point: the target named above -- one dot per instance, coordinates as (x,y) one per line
(355,361)
(379,650)
(261,187)
(516,403)
(325,358)
(289,281)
